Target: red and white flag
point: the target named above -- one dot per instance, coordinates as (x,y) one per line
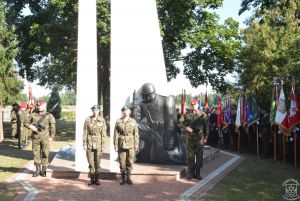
(183,103)
(294,116)
(30,98)
(281,118)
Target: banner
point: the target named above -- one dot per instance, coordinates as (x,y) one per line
(183,103)
(294,116)
(281,118)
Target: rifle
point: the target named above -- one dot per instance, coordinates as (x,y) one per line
(38,124)
(52,109)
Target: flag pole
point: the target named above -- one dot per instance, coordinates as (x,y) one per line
(275,143)
(257,142)
(239,139)
(283,146)
(295,149)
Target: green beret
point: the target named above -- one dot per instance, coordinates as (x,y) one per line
(125,107)
(99,107)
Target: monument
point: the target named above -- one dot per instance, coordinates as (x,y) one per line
(87,93)
(136,54)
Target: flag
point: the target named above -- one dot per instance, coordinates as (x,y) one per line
(206,101)
(183,103)
(273,105)
(200,104)
(228,119)
(219,113)
(294,117)
(238,114)
(281,118)
(253,112)
(30,97)
(244,115)
(249,113)
(255,115)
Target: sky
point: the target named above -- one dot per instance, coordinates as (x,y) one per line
(230,8)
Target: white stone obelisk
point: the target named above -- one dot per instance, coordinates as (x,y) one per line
(136,55)
(87,93)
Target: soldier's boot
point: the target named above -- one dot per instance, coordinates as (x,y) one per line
(189,173)
(43,172)
(198,175)
(92,179)
(122,178)
(97,180)
(129,181)
(37,170)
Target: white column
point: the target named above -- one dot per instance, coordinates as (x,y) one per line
(87,93)
(136,55)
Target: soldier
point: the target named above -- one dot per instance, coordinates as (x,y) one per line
(24,114)
(94,134)
(196,130)
(15,120)
(42,125)
(126,142)
(265,131)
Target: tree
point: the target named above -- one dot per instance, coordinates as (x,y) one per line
(48,42)
(272,43)
(68,98)
(53,105)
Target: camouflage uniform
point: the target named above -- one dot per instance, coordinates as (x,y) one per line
(15,122)
(199,123)
(24,115)
(40,139)
(94,134)
(126,141)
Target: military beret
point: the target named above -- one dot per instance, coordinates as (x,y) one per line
(99,107)
(40,102)
(15,104)
(125,107)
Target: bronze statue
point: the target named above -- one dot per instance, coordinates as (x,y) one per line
(160,141)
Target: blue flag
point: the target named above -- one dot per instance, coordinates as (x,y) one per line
(228,118)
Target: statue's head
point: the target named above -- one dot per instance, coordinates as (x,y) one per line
(148,92)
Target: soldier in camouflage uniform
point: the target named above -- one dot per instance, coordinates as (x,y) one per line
(42,125)
(94,134)
(126,142)
(196,130)
(24,114)
(15,120)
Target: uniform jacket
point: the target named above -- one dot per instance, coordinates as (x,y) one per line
(48,124)
(126,134)
(94,133)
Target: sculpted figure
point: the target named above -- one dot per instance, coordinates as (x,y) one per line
(160,141)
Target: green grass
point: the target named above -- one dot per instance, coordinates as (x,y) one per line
(254,180)
(12,159)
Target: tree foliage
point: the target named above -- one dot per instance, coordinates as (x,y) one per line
(272,44)
(48,41)
(10,84)
(54,103)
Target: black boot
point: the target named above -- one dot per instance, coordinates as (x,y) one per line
(198,176)
(129,181)
(189,173)
(122,178)
(97,181)
(37,170)
(43,172)
(92,180)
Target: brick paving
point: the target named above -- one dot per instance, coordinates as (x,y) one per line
(77,189)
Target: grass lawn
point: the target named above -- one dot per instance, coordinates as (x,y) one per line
(12,159)
(254,180)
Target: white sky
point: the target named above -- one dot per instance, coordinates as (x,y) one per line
(230,9)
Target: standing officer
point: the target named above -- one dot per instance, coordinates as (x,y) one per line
(126,142)
(94,134)
(15,120)
(42,125)
(196,130)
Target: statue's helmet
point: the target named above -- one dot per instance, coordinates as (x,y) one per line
(147,88)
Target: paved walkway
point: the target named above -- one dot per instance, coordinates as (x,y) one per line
(39,188)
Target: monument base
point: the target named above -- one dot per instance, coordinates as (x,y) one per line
(63,166)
